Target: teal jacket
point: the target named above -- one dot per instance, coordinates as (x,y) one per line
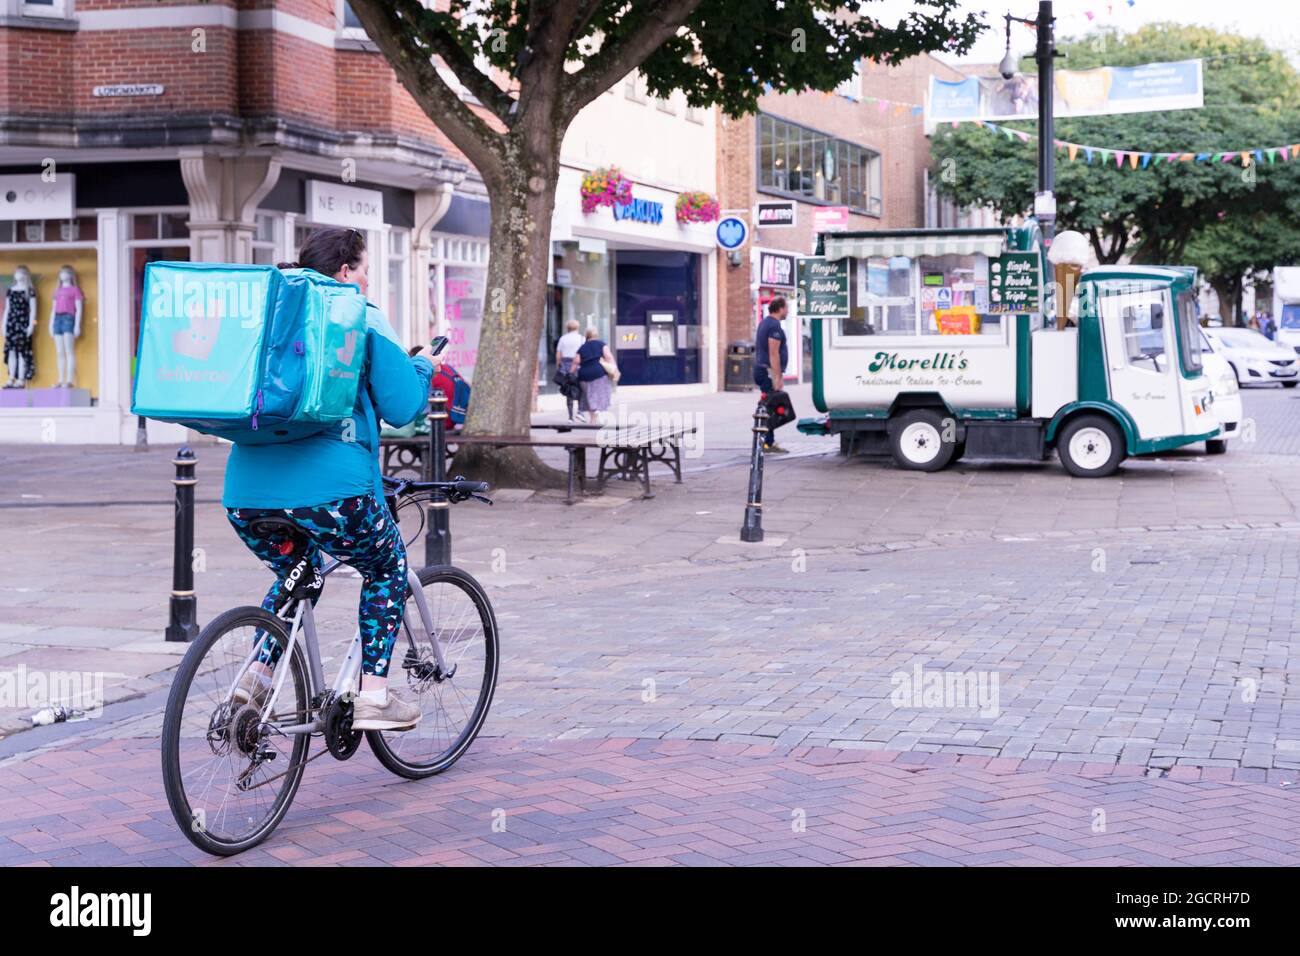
(343,460)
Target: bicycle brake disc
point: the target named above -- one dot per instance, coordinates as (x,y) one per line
(340,739)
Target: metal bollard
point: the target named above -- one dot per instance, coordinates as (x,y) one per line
(183,617)
(141,434)
(437,540)
(752,529)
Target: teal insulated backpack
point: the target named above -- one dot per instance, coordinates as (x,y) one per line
(248,353)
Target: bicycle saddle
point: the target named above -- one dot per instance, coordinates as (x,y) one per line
(267,525)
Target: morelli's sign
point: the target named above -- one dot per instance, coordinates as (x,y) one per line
(1014,282)
(129,89)
(824,288)
(778,214)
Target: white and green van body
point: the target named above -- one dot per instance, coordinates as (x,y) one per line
(1124,379)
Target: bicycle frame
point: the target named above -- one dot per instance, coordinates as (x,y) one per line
(304,623)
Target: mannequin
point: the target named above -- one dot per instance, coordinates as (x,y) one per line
(65,324)
(19,327)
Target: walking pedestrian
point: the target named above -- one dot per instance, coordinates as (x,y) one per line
(597,373)
(565,351)
(771,356)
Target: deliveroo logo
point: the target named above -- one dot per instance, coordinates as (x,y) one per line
(206,304)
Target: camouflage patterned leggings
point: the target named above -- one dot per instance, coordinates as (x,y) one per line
(359,532)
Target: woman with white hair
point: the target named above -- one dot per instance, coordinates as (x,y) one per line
(597,373)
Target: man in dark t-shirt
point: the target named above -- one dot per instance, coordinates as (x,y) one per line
(771,356)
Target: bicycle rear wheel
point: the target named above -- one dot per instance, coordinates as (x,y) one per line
(453,706)
(229,784)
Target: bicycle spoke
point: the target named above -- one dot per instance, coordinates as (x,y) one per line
(225,756)
(453,707)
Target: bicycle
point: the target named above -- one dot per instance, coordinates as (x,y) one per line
(222,802)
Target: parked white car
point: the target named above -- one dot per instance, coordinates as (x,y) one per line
(1254,359)
(1227,396)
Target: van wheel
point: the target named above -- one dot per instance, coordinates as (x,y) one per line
(1215,446)
(917,442)
(1290,384)
(1091,446)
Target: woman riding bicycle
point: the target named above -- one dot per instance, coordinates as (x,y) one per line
(329,485)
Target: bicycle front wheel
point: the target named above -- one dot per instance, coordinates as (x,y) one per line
(453,703)
(229,779)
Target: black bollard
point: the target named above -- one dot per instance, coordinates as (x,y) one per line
(752,529)
(437,540)
(141,434)
(183,623)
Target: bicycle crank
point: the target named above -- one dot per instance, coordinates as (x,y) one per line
(340,739)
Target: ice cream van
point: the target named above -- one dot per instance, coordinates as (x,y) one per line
(931,345)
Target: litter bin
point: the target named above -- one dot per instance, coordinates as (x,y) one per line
(740,367)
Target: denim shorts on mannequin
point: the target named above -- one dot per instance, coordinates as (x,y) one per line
(64,322)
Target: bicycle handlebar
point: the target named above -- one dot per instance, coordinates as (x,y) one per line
(456,489)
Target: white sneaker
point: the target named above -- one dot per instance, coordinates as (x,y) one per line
(396,714)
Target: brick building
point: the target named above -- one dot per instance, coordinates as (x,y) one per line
(136,130)
(857,158)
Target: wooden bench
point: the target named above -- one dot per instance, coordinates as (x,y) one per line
(624,453)
(410,453)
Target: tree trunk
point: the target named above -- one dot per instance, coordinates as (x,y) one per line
(514,308)
(1226,290)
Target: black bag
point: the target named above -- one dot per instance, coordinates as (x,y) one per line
(780,411)
(567,382)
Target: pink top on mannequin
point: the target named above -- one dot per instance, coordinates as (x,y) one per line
(66,298)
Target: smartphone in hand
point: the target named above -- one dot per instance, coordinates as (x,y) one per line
(439,344)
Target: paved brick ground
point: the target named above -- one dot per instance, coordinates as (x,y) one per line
(648,802)
(1139,630)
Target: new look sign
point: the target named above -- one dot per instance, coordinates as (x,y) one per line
(334,204)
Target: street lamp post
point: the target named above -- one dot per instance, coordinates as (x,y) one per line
(1045,56)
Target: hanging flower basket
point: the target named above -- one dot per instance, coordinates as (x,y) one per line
(696,207)
(605,187)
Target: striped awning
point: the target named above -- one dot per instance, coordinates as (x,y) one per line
(913,245)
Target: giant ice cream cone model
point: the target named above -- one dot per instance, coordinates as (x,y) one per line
(1068,255)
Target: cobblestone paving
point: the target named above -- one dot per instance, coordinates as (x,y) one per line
(649,803)
(670,696)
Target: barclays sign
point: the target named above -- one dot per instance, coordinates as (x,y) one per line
(641,210)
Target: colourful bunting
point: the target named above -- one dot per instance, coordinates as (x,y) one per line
(1138,159)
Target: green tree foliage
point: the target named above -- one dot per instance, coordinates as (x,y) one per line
(1185,212)
(531,65)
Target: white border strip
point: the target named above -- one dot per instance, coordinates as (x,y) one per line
(207,15)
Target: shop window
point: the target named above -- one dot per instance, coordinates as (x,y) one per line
(950,287)
(463,288)
(805,164)
(398,273)
(45,8)
(929,295)
(44,261)
(266,239)
(583,291)
(81,229)
(886,303)
(160,225)
(140,257)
